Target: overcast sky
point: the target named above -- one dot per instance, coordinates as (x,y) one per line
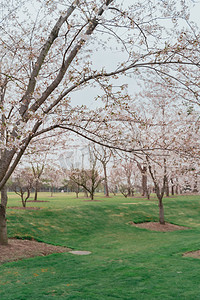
(88,95)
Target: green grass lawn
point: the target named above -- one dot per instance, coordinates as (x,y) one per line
(126,262)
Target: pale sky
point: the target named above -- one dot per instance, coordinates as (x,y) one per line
(88,95)
(79,97)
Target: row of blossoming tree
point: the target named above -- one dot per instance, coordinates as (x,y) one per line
(167,164)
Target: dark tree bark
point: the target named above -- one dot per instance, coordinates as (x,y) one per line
(92,196)
(160,195)
(26,198)
(172,190)
(51,191)
(105,181)
(172,187)
(159,192)
(143,170)
(144,182)
(161,212)
(195,188)
(176,189)
(167,188)
(36,190)
(3,225)
(37,172)
(102,155)
(148,194)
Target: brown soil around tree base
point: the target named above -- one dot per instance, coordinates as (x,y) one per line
(21,207)
(37,201)
(155,226)
(194,254)
(19,249)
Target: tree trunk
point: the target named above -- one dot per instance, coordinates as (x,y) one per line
(23,202)
(106,182)
(167,188)
(159,195)
(92,196)
(148,193)
(36,191)
(3,224)
(51,191)
(27,196)
(172,188)
(85,193)
(144,182)
(195,188)
(161,212)
(129,185)
(176,190)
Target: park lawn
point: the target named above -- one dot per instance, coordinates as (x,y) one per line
(126,262)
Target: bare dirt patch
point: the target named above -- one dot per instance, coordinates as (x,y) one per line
(155,226)
(194,254)
(18,249)
(38,201)
(25,208)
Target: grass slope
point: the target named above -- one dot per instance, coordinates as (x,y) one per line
(126,262)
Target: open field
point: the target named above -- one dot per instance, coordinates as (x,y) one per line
(126,262)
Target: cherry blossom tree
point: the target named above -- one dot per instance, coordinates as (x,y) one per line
(103,155)
(88,179)
(37,172)
(46,55)
(142,166)
(73,186)
(167,132)
(113,180)
(53,176)
(22,183)
(122,176)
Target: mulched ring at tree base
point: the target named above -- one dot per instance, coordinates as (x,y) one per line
(156,226)
(25,208)
(193,254)
(38,201)
(18,249)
